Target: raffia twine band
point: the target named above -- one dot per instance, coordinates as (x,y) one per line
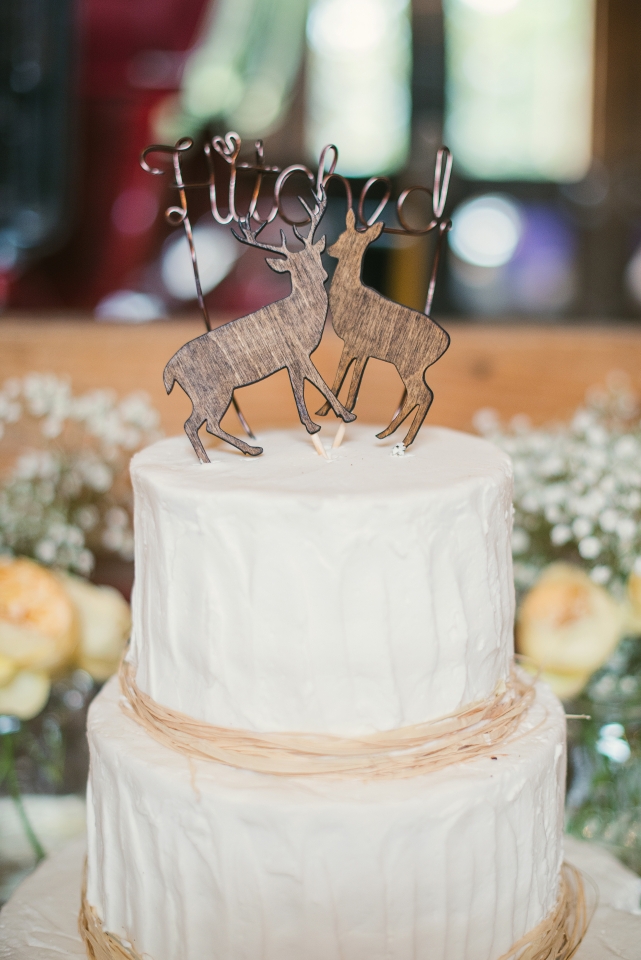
(557,937)
(99,944)
(474,731)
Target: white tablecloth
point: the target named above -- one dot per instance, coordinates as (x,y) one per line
(40,921)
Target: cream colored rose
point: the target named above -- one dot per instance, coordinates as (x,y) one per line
(38,625)
(8,670)
(49,621)
(565,685)
(38,634)
(26,694)
(633,624)
(568,626)
(105,624)
(27,648)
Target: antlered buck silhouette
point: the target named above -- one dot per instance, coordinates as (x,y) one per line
(373,326)
(244,351)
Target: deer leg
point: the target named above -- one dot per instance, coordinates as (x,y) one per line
(406,408)
(344,364)
(297,380)
(355,385)
(311,373)
(192,426)
(214,427)
(421,413)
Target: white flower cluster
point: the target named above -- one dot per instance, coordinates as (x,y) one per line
(117,425)
(63,503)
(577,487)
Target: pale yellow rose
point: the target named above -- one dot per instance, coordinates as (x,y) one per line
(8,670)
(565,685)
(38,634)
(27,648)
(633,623)
(26,694)
(38,625)
(49,621)
(568,626)
(105,624)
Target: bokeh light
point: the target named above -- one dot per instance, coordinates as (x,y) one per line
(612,743)
(633,276)
(511,258)
(486,230)
(491,6)
(217,252)
(542,273)
(130,306)
(242,71)
(358,83)
(519,87)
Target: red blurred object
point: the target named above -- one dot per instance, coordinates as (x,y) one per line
(130,57)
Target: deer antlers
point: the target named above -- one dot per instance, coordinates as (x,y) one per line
(315,216)
(250,237)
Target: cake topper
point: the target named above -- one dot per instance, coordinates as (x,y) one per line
(374,326)
(281,335)
(284,334)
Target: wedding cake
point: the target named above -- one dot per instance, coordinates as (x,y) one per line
(311,620)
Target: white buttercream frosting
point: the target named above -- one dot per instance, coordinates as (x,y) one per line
(286,592)
(191,859)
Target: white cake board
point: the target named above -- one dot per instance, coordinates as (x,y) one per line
(40,921)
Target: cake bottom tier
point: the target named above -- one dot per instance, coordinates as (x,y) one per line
(191,860)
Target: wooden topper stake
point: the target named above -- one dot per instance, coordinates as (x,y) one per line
(244,351)
(373,326)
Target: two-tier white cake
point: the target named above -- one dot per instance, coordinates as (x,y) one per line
(288,593)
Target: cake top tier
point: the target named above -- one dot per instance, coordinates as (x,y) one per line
(287,592)
(362,466)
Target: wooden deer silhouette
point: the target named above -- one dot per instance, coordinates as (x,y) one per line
(373,326)
(280,335)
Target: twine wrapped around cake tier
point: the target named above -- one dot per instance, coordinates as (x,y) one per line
(557,937)
(99,944)
(474,731)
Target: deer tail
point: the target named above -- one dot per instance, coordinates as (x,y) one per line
(169,377)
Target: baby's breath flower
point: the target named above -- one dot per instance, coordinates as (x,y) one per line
(112,538)
(560,534)
(608,520)
(553,514)
(632,500)
(600,574)
(97,475)
(52,428)
(590,547)
(626,448)
(46,550)
(61,503)
(581,527)
(85,562)
(626,528)
(117,517)
(577,487)
(87,516)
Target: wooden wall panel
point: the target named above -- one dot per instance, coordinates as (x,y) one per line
(543,371)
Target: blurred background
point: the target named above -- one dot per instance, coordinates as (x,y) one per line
(539,101)
(539,285)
